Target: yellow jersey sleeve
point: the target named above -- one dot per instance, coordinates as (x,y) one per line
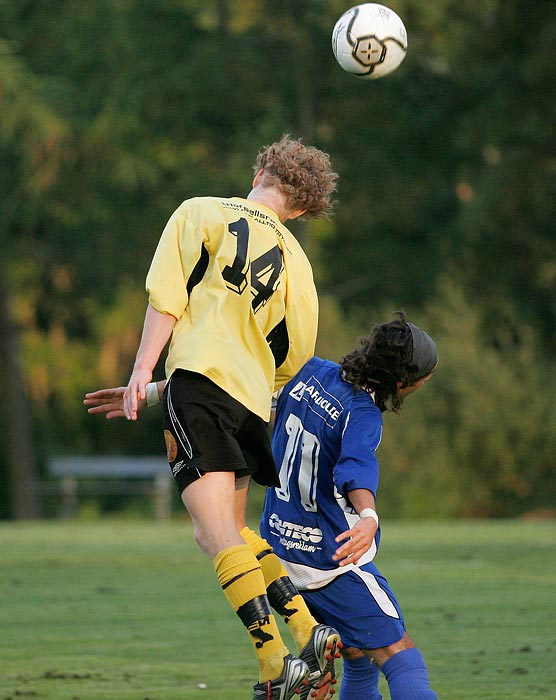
(175,257)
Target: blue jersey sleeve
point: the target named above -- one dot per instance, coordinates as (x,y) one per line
(357,465)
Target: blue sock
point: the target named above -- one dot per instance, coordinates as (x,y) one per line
(360,680)
(406,673)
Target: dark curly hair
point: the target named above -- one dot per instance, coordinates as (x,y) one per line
(302,173)
(383,360)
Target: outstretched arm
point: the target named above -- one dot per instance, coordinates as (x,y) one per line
(156,332)
(111,401)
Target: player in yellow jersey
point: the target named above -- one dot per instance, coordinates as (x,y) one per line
(233,291)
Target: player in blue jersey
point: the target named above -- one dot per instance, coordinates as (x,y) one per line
(321,521)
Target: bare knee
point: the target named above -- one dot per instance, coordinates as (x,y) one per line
(382,654)
(352,653)
(214,535)
(210,502)
(203,541)
(214,539)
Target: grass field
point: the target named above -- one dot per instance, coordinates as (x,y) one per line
(132,611)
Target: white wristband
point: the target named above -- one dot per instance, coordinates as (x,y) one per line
(151,391)
(369,513)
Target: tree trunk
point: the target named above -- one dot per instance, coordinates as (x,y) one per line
(21,466)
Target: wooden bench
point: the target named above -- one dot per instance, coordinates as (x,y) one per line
(76,476)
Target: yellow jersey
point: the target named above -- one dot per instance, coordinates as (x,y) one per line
(242,291)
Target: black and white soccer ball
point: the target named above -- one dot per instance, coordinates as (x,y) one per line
(369,40)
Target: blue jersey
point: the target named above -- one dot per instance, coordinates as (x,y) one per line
(325,438)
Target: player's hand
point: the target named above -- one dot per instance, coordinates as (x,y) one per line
(108,401)
(135,392)
(359,539)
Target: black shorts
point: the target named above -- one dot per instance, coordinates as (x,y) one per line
(206,430)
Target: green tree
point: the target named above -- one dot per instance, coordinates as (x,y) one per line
(447,168)
(31,138)
(480,439)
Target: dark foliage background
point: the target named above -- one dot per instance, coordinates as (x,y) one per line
(114,113)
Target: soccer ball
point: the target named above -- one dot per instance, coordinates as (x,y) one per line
(369,40)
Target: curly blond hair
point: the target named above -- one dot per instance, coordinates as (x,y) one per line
(303,174)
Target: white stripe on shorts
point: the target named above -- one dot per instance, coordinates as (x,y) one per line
(176,425)
(380,596)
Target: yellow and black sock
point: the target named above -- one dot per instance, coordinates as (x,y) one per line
(239,573)
(282,594)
